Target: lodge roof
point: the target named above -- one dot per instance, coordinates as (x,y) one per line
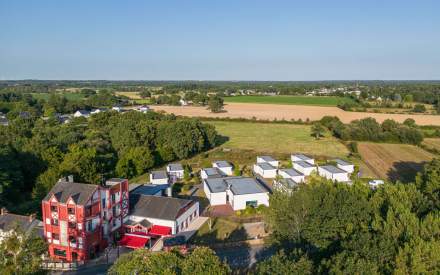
(164,208)
(79,192)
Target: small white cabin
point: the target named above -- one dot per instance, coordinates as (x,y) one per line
(224,166)
(333,173)
(292,174)
(344,165)
(158,177)
(265,170)
(268,159)
(304,167)
(301,157)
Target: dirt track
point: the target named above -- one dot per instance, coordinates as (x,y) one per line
(288,112)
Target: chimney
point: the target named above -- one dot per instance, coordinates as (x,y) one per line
(3,211)
(31,217)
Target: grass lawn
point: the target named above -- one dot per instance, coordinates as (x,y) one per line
(289,100)
(69,96)
(143,101)
(222,230)
(433,143)
(277,138)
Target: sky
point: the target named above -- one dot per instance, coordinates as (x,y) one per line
(220,40)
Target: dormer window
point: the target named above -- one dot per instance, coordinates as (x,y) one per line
(53,208)
(71,210)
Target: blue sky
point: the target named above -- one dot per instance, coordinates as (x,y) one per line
(220,40)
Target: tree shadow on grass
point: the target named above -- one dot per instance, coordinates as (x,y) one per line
(220,140)
(405,171)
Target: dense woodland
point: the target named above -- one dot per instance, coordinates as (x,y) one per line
(35,153)
(330,228)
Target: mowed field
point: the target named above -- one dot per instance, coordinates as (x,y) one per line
(277,138)
(433,143)
(289,112)
(290,100)
(394,161)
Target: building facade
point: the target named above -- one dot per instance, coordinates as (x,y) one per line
(80,220)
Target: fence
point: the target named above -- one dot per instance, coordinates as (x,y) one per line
(50,265)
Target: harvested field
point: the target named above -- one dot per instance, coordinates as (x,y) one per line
(290,100)
(289,112)
(433,143)
(394,161)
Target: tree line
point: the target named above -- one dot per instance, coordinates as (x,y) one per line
(35,153)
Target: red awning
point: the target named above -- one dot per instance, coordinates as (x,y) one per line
(160,230)
(134,241)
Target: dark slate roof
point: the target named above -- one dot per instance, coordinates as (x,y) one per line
(302,156)
(10,221)
(143,222)
(292,172)
(266,166)
(288,182)
(149,189)
(212,172)
(342,162)
(303,164)
(165,208)
(267,158)
(238,185)
(333,169)
(80,192)
(222,164)
(159,175)
(175,167)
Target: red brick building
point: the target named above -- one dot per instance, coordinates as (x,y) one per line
(80,219)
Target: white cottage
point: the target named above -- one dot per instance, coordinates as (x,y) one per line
(333,173)
(81,113)
(268,159)
(344,165)
(159,177)
(265,170)
(301,157)
(292,174)
(304,167)
(206,173)
(175,170)
(224,166)
(239,192)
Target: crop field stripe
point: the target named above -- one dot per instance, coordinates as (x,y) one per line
(290,100)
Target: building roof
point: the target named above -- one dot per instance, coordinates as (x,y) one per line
(302,157)
(159,175)
(212,172)
(222,164)
(114,181)
(79,192)
(267,158)
(4,121)
(143,222)
(304,164)
(175,167)
(266,166)
(148,189)
(292,172)
(333,169)
(83,112)
(290,183)
(165,208)
(238,185)
(343,162)
(10,221)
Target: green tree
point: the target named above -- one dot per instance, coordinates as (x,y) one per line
(419,257)
(203,260)
(144,94)
(280,264)
(135,161)
(82,163)
(215,104)
(21,254)
(317,130)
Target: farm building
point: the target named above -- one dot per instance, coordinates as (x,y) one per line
(159,177)
(301,157)
(304,167)
(344,165)
(175,170)
(268,159)
(224,166)
(206,173)
(238,192)
(265,170)
(333,173)
(291,173)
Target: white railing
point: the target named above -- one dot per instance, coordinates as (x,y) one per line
(49,265)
